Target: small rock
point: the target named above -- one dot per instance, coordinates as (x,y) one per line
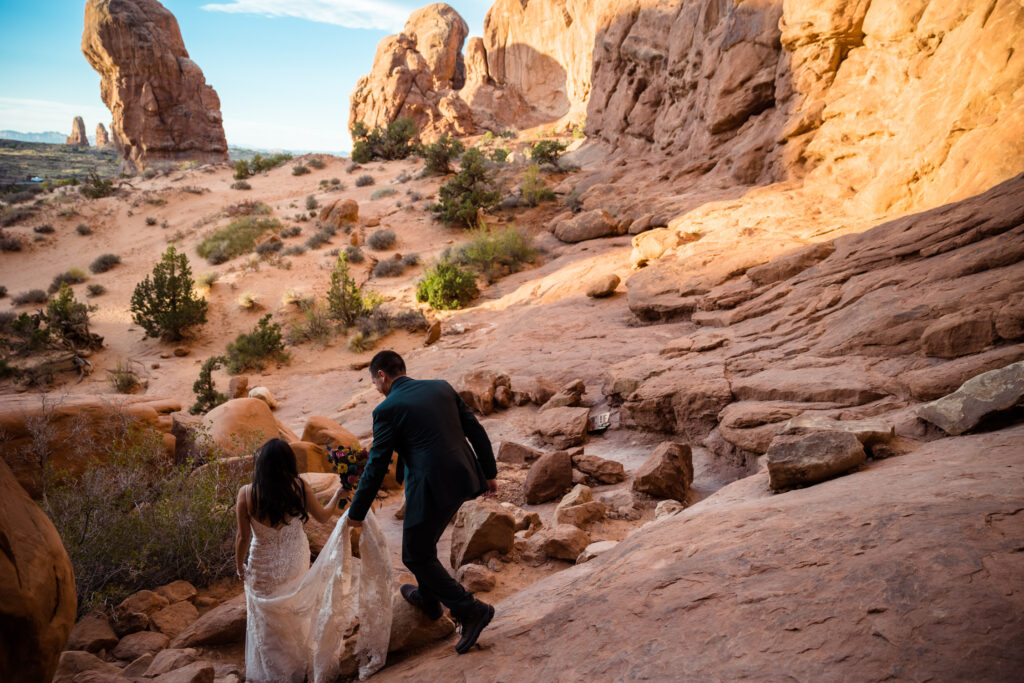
(562,427)
(154,366)
(667,473)
(72,663)
(476,578)
(502,397)
(175,619)
(603,286)
(562,542)
(177,591)
(595,549)
(181,351)
(205,602)
(171,659)
(138,667)
(220,626)
(481,525)
(411,628)
(536,390)
(668,507)
(568,396)
(136,645)
(477,389)
(92,633)
(433,334)
(977,398)
(238,387)
(264,395)
(604,471)
(517,454)
(197,672)
(579,508)
(807,459)
(524,520)
(548,478)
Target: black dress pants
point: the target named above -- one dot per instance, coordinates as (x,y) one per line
(419,554)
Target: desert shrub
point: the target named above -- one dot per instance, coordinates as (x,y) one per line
(10,244)
(573,202)
(237,238)
(96,187)
(268,248)
(74,276)
(383,192)
(104,263)
(294,250)
(150,220)
(446,286)
(499,155)
(207,279)
(241,185)
(293,296)
(134,520)
(335,182)
(364,180)
(438,155)
(389,268)
(253,350)
(32,296)
(149,173)
(409,319)
(491,252)
(68,320)
(311,203)
(43,229)
(165,305)
(354,254)
(393,142)
(249,301)
(508,134)
(3,291)
(359,341)
(156,201)
(123,378)
(316,162)
(471,190)
(83,229)
(193,189)
(207,396)
(242,170)
(315,325)
(291,231)
(411,259)
(95,290)
(533,188)
(299,169)
(381,239)
(346,301)
(19,197)
(258,164)
(579,130)
(319,239)
(15,214)
(352,168)
(547,151)
(248,207)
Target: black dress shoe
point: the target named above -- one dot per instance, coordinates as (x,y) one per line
(472,624)
(412,595)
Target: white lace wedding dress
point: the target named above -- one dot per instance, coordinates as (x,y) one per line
(298,615)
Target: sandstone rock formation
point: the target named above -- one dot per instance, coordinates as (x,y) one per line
(743,563)
(78,137)
(549,477)
(37,582)
(102,137)
(480,527)
(978,398)
(800,460)
(162,107)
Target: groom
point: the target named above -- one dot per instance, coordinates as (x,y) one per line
(427,424)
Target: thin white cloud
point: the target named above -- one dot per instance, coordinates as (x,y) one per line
(35,116)
(368,14)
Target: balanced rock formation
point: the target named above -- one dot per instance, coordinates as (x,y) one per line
(78,137)
(162,107)
(102,137)
(37,582)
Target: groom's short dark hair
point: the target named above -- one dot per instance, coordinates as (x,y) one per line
(388,361)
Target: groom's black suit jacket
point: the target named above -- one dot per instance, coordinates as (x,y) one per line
(427,423)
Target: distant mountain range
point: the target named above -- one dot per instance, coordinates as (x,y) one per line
(51,136)
(55,138)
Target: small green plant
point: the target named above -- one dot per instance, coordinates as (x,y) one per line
(499,155)
(446,286)
(492,252)
(311,203)
(123,378)
(104,263)
(43,229)
(291,231)
(32,296)
(300,169)
(359,341)
(319,239)
(383,192)
(354,254)
(364,180)
(10,244)
(207,396)
(316,162)
(95,289)
(15,214)
(470,191)
(393,142)
(96,187)
(249,302)
(237,238)
(207,280)
(381,239)
(68,320)
(533,189)
(389,268)
(194,189)
(165,305)
(438,155)
(411,259)
(346,301)
(83,229)
(258,164)
(253,350)
(547,151)
(315,325)
(294,250)
(150,220)
(241,185)
(573,202)
(74,276)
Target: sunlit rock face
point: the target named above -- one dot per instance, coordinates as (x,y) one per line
(162,107)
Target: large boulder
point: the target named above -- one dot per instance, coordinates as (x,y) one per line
(175,618)
(241,425)
(324,432)
(37,583)
(477,389)
(562,542)
(339,213)
(133,613)
(799,460)
(136,645)
(481,526)
(476,578)
(587,226)
(513,453)
(548,478)
(569,395)
(562,427)
(979,397)
(411,628)
(667,473)
(223,625)
(601,469)
(92,633)
(162,107)
(77,665)
(869,431)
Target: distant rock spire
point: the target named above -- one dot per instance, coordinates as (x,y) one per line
(102,139)
(78,137)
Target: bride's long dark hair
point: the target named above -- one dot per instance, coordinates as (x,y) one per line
(277,491)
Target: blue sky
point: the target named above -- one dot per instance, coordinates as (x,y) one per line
(284,69)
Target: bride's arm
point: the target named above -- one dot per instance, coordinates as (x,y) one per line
(244,534)
(317,511)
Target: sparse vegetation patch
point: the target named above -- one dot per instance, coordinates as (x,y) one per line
(237,238)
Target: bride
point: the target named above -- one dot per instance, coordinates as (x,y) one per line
(298,615)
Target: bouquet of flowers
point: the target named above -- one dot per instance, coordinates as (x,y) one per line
(349,463)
